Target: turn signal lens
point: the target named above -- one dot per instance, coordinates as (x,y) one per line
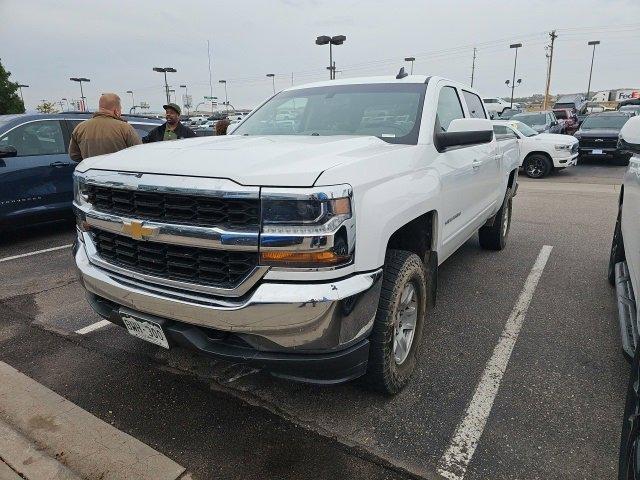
(302,259)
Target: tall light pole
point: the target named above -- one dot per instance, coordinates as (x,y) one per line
(515,63)
(186,104)
(335,40)
(410,59)
(166,84)
(226,97)
(273,81)
(21,86)
(80,80)
(594,43)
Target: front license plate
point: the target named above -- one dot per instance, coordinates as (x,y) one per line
(146,330)
(597,152)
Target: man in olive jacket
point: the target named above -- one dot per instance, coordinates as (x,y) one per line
(172,129)
(106,132)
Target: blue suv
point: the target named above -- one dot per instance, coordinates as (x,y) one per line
(35,169)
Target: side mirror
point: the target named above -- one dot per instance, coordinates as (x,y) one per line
(464,132)
(8,151)
(629,138)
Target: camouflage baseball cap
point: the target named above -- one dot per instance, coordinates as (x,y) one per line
(172,106)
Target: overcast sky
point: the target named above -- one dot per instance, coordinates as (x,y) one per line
(117,43)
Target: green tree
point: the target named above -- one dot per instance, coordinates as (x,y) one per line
(47,107)
(10,101)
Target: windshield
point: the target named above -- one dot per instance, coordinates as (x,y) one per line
(524,129)
(561,114)
(531,118)
(615,122)
(390,112)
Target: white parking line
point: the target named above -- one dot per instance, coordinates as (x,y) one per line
(93,326)
(454,462)
(22,255)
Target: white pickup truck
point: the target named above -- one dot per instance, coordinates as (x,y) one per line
(306,243)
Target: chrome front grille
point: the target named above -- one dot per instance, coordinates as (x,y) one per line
(197,210)
(217,268)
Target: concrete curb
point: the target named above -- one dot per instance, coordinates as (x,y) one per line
(80,441)
(26,459)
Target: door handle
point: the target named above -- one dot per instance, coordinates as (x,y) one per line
(59,164)
(476,164)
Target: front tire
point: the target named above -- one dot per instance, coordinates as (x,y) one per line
(537,166)
(617,249)
(494,237)
(395,341)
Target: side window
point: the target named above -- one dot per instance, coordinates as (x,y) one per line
(500,131)
(36,138)
(449,108)
(141,129)
(474,104)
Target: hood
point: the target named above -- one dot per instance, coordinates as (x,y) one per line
(599,132)
(276,160)
(555,138)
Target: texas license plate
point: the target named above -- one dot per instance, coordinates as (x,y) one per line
(597,152)
(146,330)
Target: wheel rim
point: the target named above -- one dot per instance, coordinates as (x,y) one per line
(405,324)
(535,167)
(506,219)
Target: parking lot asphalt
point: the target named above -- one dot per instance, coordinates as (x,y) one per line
(557,413)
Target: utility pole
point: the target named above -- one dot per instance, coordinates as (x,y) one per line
(553,36)
(473,66)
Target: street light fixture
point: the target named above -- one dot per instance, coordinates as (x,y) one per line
(166,85)
(515,62)
(226,97)
(80,80)
(133,102)
(273,81)
(594,43)
(21,86)
(410,59)
(335,40)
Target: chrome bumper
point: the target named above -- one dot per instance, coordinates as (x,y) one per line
(314,317)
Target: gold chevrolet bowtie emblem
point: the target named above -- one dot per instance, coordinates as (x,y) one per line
(137,230)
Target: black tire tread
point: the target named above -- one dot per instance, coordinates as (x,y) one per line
(380,375)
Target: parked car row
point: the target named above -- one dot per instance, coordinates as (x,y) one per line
(35,169)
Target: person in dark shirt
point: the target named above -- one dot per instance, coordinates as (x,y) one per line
(172,129)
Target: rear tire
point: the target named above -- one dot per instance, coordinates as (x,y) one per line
(617,250)
(390,364)
(494,237)
(537,166)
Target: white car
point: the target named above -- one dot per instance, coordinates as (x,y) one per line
(540,153)
(308,248)
(496,105)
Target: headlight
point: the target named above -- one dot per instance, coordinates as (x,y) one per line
(80,199)
(563,147)
(310,228)
(80,195)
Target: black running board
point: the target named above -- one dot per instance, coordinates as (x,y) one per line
(627,314)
